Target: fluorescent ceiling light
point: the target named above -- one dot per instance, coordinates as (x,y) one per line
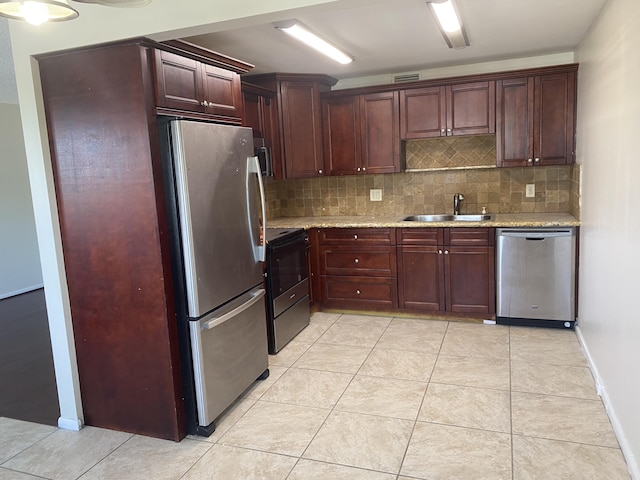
(449,23)
(302,33)
(37,12)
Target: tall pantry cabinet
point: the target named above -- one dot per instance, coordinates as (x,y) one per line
(101,112)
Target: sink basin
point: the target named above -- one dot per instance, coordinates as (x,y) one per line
(447,218)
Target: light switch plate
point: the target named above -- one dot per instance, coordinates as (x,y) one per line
(530,191)
(375,195)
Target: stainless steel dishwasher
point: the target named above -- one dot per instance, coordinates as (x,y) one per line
(535,276)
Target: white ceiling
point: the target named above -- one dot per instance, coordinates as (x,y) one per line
(388,36)
(393,36)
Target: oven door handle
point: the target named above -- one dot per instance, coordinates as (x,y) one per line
(277,245)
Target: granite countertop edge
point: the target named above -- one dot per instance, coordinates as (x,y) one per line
(503,220)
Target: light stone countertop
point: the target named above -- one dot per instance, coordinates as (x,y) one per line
(498,220)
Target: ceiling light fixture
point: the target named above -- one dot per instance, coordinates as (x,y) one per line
(449,23)
(37,12)
(302,33)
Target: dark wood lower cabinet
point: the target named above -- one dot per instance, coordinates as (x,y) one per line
(431,270)
(447,269)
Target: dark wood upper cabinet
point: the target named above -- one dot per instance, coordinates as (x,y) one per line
(361,133)
(536,120)
(299,120)
(442,111)
(261,114)
(380,132)
(341,134)
(191,84)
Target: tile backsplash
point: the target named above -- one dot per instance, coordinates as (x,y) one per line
(451,152)
(500,190)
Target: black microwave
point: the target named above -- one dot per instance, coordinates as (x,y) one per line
(262,150)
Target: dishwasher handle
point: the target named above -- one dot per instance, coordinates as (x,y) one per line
(536,234)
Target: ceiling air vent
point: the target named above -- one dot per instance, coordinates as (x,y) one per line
(406,77)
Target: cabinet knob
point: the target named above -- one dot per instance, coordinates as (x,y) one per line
(439,252)
(320,172)
(359,169)
(537,160)
(529,160)
(443,131)
(355,237)
(204,103)
(446,252)
(357,292)
(356,261)
(364,169)
(449,130)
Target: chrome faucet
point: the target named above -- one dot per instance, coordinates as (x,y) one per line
(457,198)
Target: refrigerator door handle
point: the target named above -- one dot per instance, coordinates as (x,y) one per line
(214,322)
(253,168)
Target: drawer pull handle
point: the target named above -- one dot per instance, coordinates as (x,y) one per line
(355,237)
(292,295)
(357,292)
(356,261)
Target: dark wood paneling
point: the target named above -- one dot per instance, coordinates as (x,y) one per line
(99,106)
(554,133)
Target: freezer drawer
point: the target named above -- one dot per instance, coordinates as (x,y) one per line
(229,348)
(535,270)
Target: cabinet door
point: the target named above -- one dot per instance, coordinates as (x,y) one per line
(341,134)
(423,112)
(421,278)
(470,279)
(221,92)
(253,113)
(555,110)
(178,82)
(379,132)
(471,108)
(302,129)
(515,122)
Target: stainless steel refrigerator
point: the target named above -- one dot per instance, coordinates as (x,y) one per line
(215,200)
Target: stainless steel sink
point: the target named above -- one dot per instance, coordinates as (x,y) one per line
(447,218)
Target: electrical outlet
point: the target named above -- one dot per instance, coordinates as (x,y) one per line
(375,195)
(530,191)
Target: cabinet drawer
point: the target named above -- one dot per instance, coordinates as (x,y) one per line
(421,236)
(359,292)
(471,236)
(354,260)
(358,236)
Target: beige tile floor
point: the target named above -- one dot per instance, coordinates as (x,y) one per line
(370,398)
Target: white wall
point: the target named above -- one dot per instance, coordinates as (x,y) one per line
(608,140)
(162,19)
(19,258)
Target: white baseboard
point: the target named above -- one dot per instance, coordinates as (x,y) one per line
(632,462)
(74,424)
(21,291)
